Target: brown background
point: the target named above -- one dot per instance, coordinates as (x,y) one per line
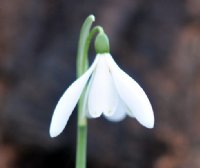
(157,42)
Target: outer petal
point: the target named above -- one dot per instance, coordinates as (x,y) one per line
(102,96)
(68,101)
(132,94)
(85,99)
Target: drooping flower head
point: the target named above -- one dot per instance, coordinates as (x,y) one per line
(109,91)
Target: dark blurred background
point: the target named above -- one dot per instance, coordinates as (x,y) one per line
(157,42)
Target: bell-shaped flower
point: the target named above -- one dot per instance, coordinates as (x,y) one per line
(108,91)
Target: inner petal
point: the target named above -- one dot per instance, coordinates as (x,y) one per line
(102,96)
(120,112)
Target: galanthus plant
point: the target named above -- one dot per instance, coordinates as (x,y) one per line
(103,88)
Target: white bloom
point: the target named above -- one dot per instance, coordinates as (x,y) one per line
(110,91)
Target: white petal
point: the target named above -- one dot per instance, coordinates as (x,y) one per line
(119,114)
(102,94)
(85,99)
(132,94)
(68,101)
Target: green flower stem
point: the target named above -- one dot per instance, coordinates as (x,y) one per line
(82,61)
(82,65)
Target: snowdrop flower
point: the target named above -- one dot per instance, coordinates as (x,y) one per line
(109,91)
